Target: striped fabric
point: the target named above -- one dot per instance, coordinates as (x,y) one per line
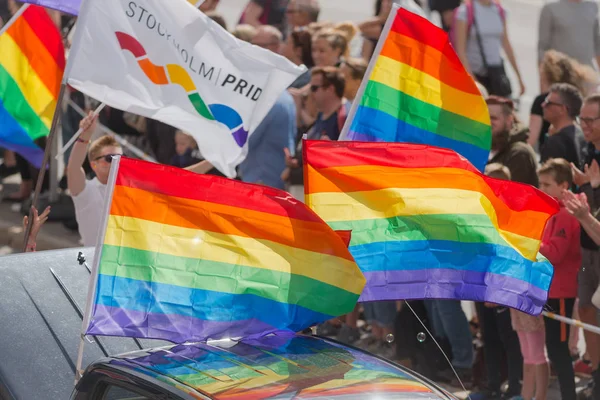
(427,224)
(192,257)
(419,92)
(32,62)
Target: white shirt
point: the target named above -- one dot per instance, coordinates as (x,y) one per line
(89,205)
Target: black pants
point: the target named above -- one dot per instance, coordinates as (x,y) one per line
(500,339)
(29,172)
(557,343)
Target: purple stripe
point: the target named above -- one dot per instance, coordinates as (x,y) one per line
(456,285)
(68,6)
(362,137)
(112,321)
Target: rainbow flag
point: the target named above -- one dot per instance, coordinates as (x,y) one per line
(32,62)
(419,92)
(192,257)
(427,224)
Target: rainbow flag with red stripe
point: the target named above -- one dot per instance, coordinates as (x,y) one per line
(32,62)
(419,92)
(427,224)
(193,257)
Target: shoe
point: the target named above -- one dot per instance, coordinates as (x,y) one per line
(327,329)
(582,368)
(348,335)
(485,395)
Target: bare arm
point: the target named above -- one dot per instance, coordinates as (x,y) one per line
(544,32)
(200,168)
(597,40)
(371,28)
(535,129)
(461,44)
(510,54)
(252,14)
(592,227)
(75,173)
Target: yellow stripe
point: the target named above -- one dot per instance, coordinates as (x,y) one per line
(428,89)
(35,92)
(184,242)
(179,76)
(355,206)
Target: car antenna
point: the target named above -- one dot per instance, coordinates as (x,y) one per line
(82,261)
(76,307)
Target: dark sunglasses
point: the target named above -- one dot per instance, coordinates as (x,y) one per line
(551,103)
(108,157)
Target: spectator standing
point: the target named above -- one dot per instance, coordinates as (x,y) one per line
(266,12)
(298,49)
(301,13)
(560,245)
(589,274)
(479,40)
(509,142)
(354,70)
(571,27)
(265,161)
(328,85)
(561,108)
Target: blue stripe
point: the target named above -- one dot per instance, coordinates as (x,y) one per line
(441,254)
(152,297)
(13,137)
(370,125)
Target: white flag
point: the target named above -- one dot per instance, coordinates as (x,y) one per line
(168,61)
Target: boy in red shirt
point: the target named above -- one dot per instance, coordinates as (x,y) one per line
(561,246)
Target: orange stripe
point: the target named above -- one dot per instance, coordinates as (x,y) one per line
(213,217)
(155,73)
(429,60)
(365,178)
(40,60)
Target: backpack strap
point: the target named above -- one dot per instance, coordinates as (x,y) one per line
(471,13)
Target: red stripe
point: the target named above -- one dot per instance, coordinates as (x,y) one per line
(176,182)
(45,29)
(421,30)
(324,154)
(130,43)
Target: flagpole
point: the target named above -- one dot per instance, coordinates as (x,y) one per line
(77,134)
(14,18)
(91,292)
(363,85)
(47,151)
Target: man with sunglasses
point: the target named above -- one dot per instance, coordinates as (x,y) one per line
(561,108)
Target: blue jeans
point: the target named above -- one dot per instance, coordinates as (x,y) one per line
(449,321)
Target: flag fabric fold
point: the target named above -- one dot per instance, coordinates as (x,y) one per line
(419,92)
(189,257)
(168,61)
(31,70)
(72,6)
(427,224)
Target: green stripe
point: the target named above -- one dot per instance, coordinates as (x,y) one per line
(426,116)
(465,228)
(149,266)
(200,106)
(14,102)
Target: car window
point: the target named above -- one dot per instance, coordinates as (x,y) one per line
(118,393)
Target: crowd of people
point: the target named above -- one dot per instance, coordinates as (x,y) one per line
(557,151)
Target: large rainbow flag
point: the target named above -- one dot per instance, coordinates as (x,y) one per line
(427,224)
(419,92)
(193,257)
(32,61)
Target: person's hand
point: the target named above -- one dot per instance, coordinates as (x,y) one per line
(521,87)
(285,175)
(325,137)
(88,125)
(290,161)
(579,178)
(592,173)
(38,221)
(576,205)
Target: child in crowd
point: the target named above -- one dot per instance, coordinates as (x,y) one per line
(560,245)
(186,149)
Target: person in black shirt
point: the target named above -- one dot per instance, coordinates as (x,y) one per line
(589,275)
(561,108)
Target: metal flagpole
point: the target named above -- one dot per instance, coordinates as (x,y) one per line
(14,18)
(42,173)
(363,85)
(110,186)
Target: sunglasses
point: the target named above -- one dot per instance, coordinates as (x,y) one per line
(108,157)
(588,121)
(551,103)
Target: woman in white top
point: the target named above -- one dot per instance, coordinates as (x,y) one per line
(479,36)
